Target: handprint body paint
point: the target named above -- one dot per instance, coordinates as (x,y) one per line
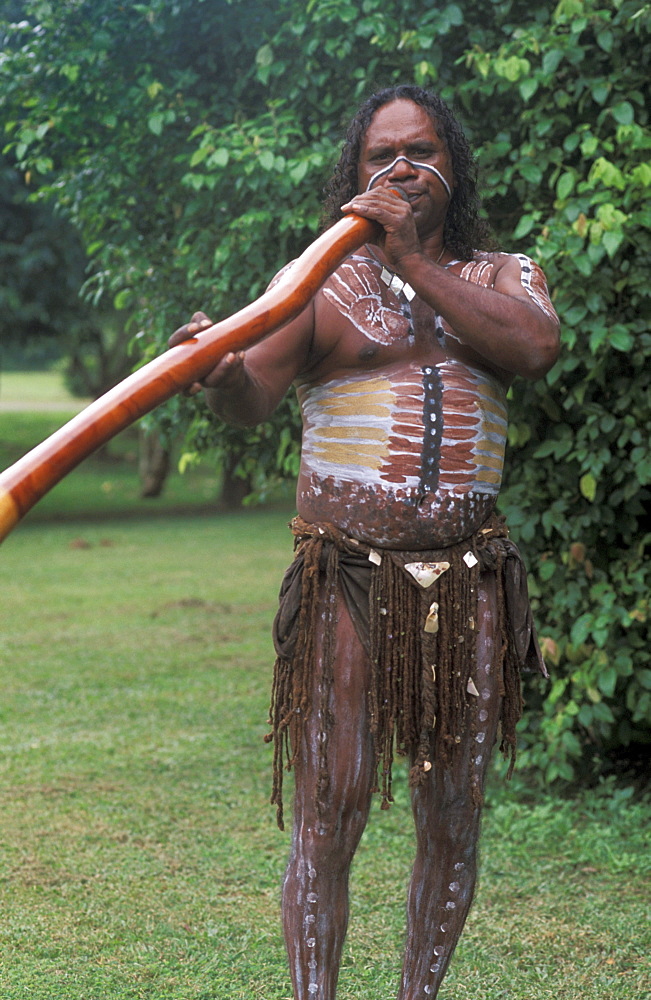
(408,450)
(356,291)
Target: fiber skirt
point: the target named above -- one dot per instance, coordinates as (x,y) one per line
(416,615)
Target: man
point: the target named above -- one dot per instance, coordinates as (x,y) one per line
(401,621)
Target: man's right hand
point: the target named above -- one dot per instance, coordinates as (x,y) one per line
(225,374)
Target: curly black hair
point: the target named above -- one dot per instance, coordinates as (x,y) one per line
(465,229)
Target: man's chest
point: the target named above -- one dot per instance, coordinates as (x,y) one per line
(365,322)
(359,325)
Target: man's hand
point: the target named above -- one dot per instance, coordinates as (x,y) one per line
(390,207)
(229,370)
(198,323)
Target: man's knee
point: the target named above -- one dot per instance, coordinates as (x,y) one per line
(326,849)
(446,814)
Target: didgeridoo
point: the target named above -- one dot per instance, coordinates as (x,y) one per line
(24,483)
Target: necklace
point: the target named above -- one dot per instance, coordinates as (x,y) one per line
(393,280)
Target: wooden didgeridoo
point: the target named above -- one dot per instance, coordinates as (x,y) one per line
(24,483)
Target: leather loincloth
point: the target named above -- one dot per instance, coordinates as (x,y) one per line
(415,614)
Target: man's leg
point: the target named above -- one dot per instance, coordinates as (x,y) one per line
(447,825)
(315,891)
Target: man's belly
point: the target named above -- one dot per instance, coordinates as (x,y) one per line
(409,457)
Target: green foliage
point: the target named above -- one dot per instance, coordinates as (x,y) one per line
(42,266)
(569,178)
(42,315)
(193,172)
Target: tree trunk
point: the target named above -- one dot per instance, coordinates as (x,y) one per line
(234,488)
(153,464)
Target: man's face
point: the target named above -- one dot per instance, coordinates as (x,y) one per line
(403,131)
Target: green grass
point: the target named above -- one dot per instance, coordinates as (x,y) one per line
(42,389)
(105,484)
(139,856)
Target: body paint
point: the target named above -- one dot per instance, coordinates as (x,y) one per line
(412,163)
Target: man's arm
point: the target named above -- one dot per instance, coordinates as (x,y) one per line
(502,324)
(245,388)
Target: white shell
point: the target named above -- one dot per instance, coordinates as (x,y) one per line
(432,621)
(426,573)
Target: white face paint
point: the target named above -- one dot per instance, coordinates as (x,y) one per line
(412,163)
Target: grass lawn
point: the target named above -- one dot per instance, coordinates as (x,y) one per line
(139,856)
(39,390)
(35,405)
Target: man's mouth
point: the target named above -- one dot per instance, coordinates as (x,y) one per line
(414,196)
(409,196)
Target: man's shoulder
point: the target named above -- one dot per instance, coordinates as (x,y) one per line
(280,274)
(497,260)
(497,257)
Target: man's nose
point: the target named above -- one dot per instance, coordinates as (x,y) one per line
(401,168)
(399,171)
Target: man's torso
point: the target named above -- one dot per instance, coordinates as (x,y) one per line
(404,428)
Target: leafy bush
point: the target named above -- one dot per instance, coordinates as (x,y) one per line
(575,157)
(194,172)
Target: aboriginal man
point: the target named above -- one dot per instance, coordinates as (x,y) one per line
(404,620)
